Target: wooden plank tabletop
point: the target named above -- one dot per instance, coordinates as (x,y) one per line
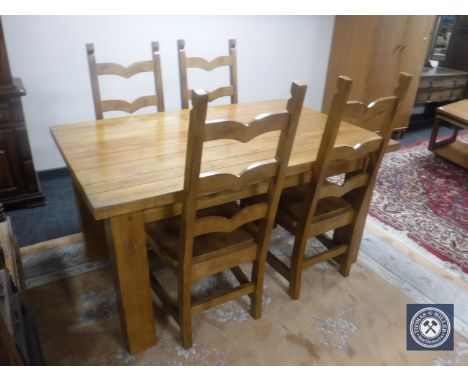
(457,110)
(137,162)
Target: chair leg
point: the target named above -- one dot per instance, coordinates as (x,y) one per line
(185,310)
(258,272)
(345,264)
(297,261)
(343,235)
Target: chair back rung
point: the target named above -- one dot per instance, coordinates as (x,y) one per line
(241,132)
(211,182)
(223,91)
(129,107)
(348,153)
(246,215)
(106,68)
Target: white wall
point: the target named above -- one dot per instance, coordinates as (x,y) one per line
(48,53)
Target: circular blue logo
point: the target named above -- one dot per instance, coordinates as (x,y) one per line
(430,327)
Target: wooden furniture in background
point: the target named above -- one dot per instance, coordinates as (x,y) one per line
(373,50)
(197,62)
(457,51)
(126,177)
(456,115)
(198,244)
(101,69)
(441,85)
(19,184)
(448,82)
(313,209)
(19,341)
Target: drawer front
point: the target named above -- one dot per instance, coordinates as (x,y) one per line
(5,115)
(10,176)
(443,82)
(440,95)
(11,110)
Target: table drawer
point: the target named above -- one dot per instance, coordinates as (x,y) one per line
(440,95)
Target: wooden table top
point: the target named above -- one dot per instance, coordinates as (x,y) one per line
(137,162)
(457,110)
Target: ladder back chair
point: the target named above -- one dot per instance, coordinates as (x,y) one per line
(197,62)
(101,69)
(313,209)
(198,244)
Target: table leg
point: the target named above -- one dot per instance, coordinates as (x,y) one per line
(127,248)
(435,130)
(93,230)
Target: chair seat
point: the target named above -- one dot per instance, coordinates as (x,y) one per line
(291,208)
(163,236)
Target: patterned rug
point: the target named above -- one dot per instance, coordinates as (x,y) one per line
(425,197)
(359,320)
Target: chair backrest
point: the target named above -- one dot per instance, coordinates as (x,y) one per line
(376,119)
(365,156)
(197,62)
(270,171)
(102,69)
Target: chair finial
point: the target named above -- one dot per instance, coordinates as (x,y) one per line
(155,46)
(90,49)
(181,44)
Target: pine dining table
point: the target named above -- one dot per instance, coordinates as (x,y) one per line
(128,171)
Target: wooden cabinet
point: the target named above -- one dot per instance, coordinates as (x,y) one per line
(19,184)
(10,183)
(373,50)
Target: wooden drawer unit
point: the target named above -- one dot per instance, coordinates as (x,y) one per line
(440,95)
(441,84)
(11,110)
(10,182)
(19,184)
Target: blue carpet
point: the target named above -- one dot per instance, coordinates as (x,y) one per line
(58,218)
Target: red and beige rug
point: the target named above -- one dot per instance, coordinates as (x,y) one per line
(425,197)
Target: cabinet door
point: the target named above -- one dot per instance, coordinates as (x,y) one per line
(413,54)
(383,70)
(373,50)
(10,175)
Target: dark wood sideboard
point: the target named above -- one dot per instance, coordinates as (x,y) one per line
(441,85)
(19,184)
